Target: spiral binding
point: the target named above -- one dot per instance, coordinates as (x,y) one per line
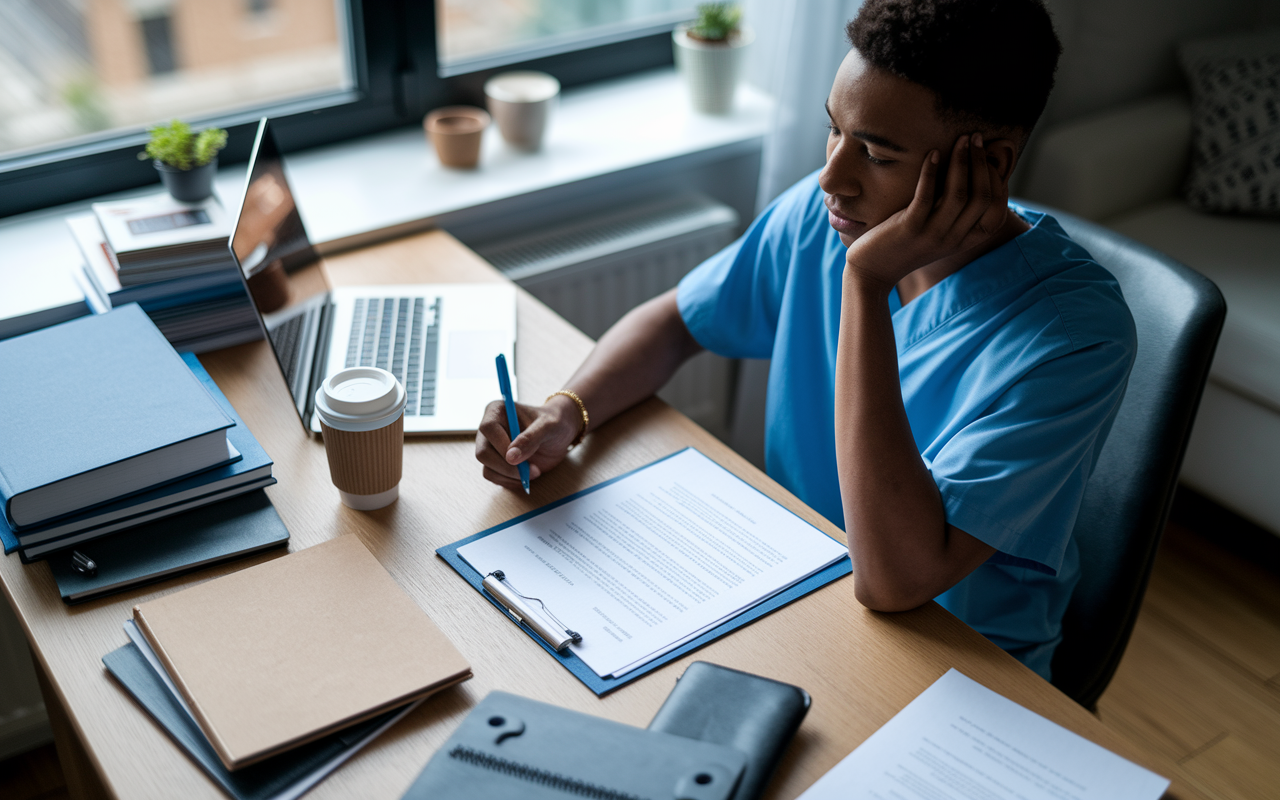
(541,777)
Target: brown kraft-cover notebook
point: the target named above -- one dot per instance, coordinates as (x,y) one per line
(287,651)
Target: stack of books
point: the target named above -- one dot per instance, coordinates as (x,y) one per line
(271,677)
(171,258)
(56,297)
(104,427)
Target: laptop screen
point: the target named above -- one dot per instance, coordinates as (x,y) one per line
(269,231)
(271,246)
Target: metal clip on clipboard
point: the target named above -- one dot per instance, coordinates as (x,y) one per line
(531,611)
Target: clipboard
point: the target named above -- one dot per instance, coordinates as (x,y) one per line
(570,661)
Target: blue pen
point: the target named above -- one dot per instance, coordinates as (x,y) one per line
(513,422)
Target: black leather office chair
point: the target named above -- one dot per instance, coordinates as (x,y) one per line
(1179,314)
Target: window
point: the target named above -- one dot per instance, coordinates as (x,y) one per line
(474,34)
(157,37)
(84,68)
(81,80)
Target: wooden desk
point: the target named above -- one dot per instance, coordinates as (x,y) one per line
(859,666)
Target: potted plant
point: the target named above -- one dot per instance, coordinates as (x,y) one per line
(185,160)
(707,52)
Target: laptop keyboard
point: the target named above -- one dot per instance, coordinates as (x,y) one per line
(284,338)
(402,336)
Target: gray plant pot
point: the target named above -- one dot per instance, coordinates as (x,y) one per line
(188,185)
(710,69)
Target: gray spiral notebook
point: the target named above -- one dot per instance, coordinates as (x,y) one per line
(514,748)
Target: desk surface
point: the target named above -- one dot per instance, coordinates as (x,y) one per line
(860,667)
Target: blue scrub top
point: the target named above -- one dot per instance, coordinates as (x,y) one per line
(1012,370)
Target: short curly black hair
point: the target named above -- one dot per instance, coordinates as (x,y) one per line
(988,61)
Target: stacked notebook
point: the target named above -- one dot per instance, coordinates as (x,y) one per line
(54,297)
(272,676)
(171,258)
(154,551)
(157,238)
(104,427)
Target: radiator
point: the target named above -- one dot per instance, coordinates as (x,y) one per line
(593,271)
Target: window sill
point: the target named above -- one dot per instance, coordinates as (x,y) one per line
(388,184)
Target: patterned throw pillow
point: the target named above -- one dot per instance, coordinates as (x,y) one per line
(1235,94)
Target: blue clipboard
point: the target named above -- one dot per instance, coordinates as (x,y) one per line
(570,661)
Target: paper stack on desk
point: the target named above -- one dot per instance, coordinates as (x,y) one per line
(173,259)
(295,649)
(960,739)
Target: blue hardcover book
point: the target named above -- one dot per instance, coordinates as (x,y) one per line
(252,471)
(174,545)
(97,409)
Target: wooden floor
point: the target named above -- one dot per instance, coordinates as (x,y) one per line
(33,776)
(1200,681)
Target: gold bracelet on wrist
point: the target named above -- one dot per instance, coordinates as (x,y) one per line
(581,407)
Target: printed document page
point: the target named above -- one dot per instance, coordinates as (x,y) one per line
(961,740)
(650,561)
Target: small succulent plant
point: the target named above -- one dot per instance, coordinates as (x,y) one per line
(175,145)
(716,21)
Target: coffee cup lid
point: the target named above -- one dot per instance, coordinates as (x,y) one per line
(360,399)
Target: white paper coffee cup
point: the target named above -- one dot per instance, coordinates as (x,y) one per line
(361,413)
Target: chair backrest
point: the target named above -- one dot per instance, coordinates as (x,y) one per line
(1178,313)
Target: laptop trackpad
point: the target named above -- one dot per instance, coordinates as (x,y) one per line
(471,353)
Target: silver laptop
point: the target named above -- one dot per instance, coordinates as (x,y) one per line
(440,340)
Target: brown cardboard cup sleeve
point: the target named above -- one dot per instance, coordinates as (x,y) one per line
(361,414)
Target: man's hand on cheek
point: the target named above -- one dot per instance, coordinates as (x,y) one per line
(970,209)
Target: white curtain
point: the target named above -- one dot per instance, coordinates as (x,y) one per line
(799,45)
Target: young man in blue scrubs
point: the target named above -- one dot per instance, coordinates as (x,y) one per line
(945,366)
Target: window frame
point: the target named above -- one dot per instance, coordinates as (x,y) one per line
(397,80)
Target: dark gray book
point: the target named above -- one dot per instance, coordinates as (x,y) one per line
(157,550)
(281,777)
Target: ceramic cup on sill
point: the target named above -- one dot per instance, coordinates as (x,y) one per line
(520,103)
(456,131)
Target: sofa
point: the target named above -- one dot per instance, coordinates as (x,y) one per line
(1124,166)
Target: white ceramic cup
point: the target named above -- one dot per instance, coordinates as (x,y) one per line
(361,412)
(520,102)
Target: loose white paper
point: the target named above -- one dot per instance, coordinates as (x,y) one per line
(961,740)
(650,561)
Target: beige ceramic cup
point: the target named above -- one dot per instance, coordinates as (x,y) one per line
(361,412)
(456,132)
(520,103)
